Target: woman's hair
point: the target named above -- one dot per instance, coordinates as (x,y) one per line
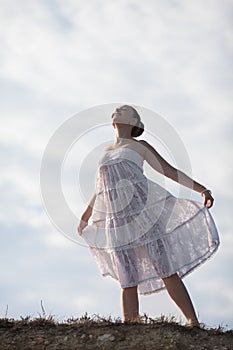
(138,129)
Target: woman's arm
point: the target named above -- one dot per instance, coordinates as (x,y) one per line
(86,215)
(157,162)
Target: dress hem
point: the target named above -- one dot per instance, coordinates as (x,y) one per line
(205,257)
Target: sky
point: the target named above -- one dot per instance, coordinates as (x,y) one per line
(74,60)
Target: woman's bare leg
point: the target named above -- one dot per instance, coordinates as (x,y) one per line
(130,304)
(178,292)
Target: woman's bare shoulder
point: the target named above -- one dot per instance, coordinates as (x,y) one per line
(144,143)
(147,146)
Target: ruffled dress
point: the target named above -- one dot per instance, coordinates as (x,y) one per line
(140,233)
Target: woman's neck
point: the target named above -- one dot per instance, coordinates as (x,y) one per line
(123,139)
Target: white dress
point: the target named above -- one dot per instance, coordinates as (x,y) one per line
(140,232)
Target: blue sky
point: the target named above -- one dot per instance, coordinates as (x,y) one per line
(59,58)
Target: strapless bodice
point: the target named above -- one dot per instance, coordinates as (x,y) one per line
(113,155)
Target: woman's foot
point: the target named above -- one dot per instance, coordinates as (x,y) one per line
(193,324)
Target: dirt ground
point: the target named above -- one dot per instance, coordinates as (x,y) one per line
(84,333)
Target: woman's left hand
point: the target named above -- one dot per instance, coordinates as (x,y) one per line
(208,199)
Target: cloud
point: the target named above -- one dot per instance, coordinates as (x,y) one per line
(109,41)
(59,58)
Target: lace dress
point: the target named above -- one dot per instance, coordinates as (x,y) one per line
(140,232)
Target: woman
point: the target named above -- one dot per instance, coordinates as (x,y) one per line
(143,236)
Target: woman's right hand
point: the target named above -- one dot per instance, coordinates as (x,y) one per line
(81,226)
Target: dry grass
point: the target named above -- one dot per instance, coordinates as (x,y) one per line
(96,320)
(43,320)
